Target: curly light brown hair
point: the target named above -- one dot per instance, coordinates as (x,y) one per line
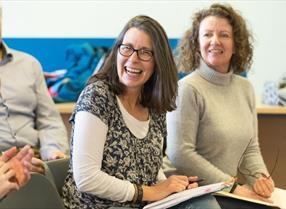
(187,52)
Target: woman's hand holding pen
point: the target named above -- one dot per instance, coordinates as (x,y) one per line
(171,185)
(194,182)
(264,186)
(244,191)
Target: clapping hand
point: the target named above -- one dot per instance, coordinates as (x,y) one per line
(14,169)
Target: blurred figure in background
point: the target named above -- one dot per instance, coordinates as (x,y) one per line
(27,113)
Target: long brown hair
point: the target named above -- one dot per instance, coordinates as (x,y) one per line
(187,52)
(160,91)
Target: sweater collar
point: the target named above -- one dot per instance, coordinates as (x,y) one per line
(213,76)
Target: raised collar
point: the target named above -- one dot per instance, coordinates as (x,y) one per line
(213,76)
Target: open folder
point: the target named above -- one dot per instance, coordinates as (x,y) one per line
(278,197)
(179,197)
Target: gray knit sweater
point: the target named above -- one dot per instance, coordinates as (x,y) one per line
(215,123)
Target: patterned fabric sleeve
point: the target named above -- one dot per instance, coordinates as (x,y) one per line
(95,99)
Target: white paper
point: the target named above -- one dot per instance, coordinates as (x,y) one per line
(279,197)
(179,197)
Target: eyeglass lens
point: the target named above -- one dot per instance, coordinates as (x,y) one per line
(143,54)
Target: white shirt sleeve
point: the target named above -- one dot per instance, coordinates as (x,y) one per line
(88,144)
(161,176)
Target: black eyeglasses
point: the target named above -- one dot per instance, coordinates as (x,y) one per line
(143,53)
(256,175)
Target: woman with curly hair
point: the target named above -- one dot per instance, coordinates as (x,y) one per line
(213,132)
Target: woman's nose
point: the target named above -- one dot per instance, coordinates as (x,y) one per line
(215,39)
(134,57)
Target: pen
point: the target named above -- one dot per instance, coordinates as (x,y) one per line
(196,181)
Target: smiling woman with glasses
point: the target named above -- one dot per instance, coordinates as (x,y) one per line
(119,126)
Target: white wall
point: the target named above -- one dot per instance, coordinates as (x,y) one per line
(90,18)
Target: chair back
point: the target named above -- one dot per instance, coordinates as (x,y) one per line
(38,193)
(58,169)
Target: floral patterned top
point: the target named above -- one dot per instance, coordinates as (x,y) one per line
(125,156)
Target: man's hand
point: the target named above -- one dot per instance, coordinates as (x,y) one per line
(38,166)
(57,155)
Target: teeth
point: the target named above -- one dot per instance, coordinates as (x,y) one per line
(132,70)
(216,51)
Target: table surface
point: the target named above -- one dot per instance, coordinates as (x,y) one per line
(67,108)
